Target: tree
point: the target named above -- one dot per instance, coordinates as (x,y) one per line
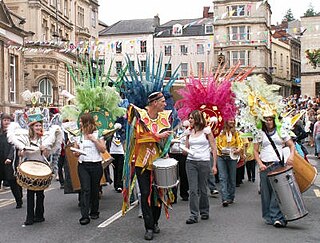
(288,16)
(310,11)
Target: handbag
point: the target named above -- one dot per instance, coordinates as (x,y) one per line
(275,149)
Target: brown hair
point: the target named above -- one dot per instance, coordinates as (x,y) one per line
(226,127)
(88,123)
(31,131)
(199,121)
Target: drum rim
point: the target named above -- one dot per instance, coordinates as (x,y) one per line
(275,172)
(41,176)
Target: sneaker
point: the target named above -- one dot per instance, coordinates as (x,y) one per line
(148,235)
(214,192)
(204,216)
(225,203)
(278,224)
(191,221)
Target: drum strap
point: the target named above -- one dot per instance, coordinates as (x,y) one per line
(275,148)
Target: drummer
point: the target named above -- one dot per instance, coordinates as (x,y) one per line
(35,214)
(266,156)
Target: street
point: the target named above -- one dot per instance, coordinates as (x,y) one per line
(240,222)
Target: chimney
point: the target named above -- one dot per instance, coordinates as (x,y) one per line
(156,21)
(205,12)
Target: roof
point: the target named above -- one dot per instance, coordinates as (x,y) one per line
(134,26)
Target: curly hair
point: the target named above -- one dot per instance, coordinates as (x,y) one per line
(88,123)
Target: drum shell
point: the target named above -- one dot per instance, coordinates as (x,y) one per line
(33,182)
(165,176)
(304,172)
(287,193)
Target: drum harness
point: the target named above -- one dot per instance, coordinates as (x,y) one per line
(275,149)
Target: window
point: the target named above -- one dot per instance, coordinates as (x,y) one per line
(131,66)
(118,47)
(200,49)
(281,60)
(45,87)
(68,80)
(66,8)
(58,5)
(143,46)
(167,50)
(45,30)
(287,62)
(242,56)
(53,2)
(209,29)
(53,30)
(239,33)
(200,69)
(168,69)
(143,67)
(118,66)
(184,49)
(177,29)
(13,78)
(275,58)
(237,11)
(80,16)
(184,69)
(93,18)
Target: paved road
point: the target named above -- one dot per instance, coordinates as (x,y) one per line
(240,222)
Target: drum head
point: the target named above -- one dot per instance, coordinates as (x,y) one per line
(165,162)
(35,168)
(280,170)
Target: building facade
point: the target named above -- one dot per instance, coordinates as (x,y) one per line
(55,23)
(310,40)
(11,61)
(242,32)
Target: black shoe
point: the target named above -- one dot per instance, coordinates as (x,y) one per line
(185,199)
(38,220)
(28,222)
(62,187)
(237,185)
(191,221)
(279,224)
(230,201)
(94,216)
(225,203)
(204,217)
(253,180)
(148,235)
(156,229)
(19,205)
(84,221)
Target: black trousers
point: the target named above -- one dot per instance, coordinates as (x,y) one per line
(61,162)
(251,169)
(184,185)
(16,191)
(39,210)
(90,175)
(118,167)
(151,213)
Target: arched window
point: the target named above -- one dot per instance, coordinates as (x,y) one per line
(45,87)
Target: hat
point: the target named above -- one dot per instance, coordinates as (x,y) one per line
(34,118)
(268,112)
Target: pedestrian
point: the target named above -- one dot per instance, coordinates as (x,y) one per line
(229,144)
(267,152)
(9,161)
(90,167)
(250,161)
(316,135)
(201,143)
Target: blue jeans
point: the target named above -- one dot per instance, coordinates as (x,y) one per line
(227,175)
(317,141)
(198,172)
(211,178)
(270,207)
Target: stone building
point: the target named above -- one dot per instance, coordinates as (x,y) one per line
(242,32)
(11,61)
(55,23)
(310,40)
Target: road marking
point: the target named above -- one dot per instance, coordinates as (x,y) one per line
(116,216)
(317,192)
(5,192)
(6,202)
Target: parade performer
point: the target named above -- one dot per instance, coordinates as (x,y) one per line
(259,117)
(149,135)
(42,143)
(97,106)
(214,97)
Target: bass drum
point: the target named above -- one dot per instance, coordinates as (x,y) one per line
(34,175)
(304,172)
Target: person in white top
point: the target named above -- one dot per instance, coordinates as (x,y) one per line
(201,143)
(89,168)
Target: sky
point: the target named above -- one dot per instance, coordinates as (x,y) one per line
(111,11)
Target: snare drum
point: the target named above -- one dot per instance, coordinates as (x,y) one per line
(34,175)
(287,193)
(165,172)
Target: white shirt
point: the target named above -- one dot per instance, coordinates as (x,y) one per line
(200,146)
(93,155)
(267,153)
(116,146)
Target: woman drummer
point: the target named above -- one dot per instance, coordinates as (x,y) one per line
(35,214)
(89,168)
(268,160)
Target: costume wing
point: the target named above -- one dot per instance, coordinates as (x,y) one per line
(18,136)
(20,119)
(56,120)
(53,138)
